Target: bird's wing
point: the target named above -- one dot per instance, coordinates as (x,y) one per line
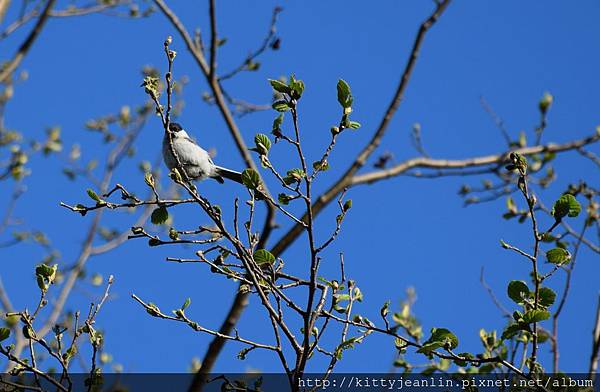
(189,139)
(193,154)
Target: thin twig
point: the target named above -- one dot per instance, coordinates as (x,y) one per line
(9,68)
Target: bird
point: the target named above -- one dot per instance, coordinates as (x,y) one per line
(196,162)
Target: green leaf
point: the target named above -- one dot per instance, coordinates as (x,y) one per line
(320,166)
(28,332)
(535,316)
(459,362)
(187,303)
(347,205)
(344,95)
(150,85)
(357,294)
(262,143)
(427,348)
(558,256)
(512,330)
(385,309)
(442,334)
(517,316)
(152,310)
(342,297)
(546,296)
(277,122)
(294,175)
(296,87)
(511,206)
(279,86)
(518,162)
(281,106)
(518,291)
(547,237)
(250,178)
(159,216)
(252,66)
(45,270)
(566,205)
(347,344)
(93,195)
(41,283)
(173,234)
(353,124)
(440,337)
(283,199)
(4,333)
(263,256)
(543,335)
(149,179)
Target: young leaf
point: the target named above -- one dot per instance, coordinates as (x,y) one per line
(566,205)
(173,234)
(262,143)
(296,87)
(353,124)
(385,309)
(347,205)
(149,179)
(535,316)
(277,122)
(263,256)
(45,270)
(558,256)
(159,216)
(320,166)
(518,291)
(281,106)
(187,303)
(283,199)
(279,86)
(152,310)
(93,195)
(440,337)
(343,94)
(466,356)
(519,162)
(294,175)
(546,296)
(4,333)
(250,178)
(512,330)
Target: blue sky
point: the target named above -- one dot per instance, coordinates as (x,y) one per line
(400,233)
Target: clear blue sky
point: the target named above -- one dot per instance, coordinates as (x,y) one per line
(400,233)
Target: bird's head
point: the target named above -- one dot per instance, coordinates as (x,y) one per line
(177,130)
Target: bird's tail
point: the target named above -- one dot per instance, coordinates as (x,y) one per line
(229,174)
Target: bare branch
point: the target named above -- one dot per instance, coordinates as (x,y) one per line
(9,68)
(495,159)
(155,312)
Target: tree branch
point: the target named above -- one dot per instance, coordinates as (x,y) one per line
(9,68)
(346,179)
(497,159)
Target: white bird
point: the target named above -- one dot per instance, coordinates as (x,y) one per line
(195,160)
